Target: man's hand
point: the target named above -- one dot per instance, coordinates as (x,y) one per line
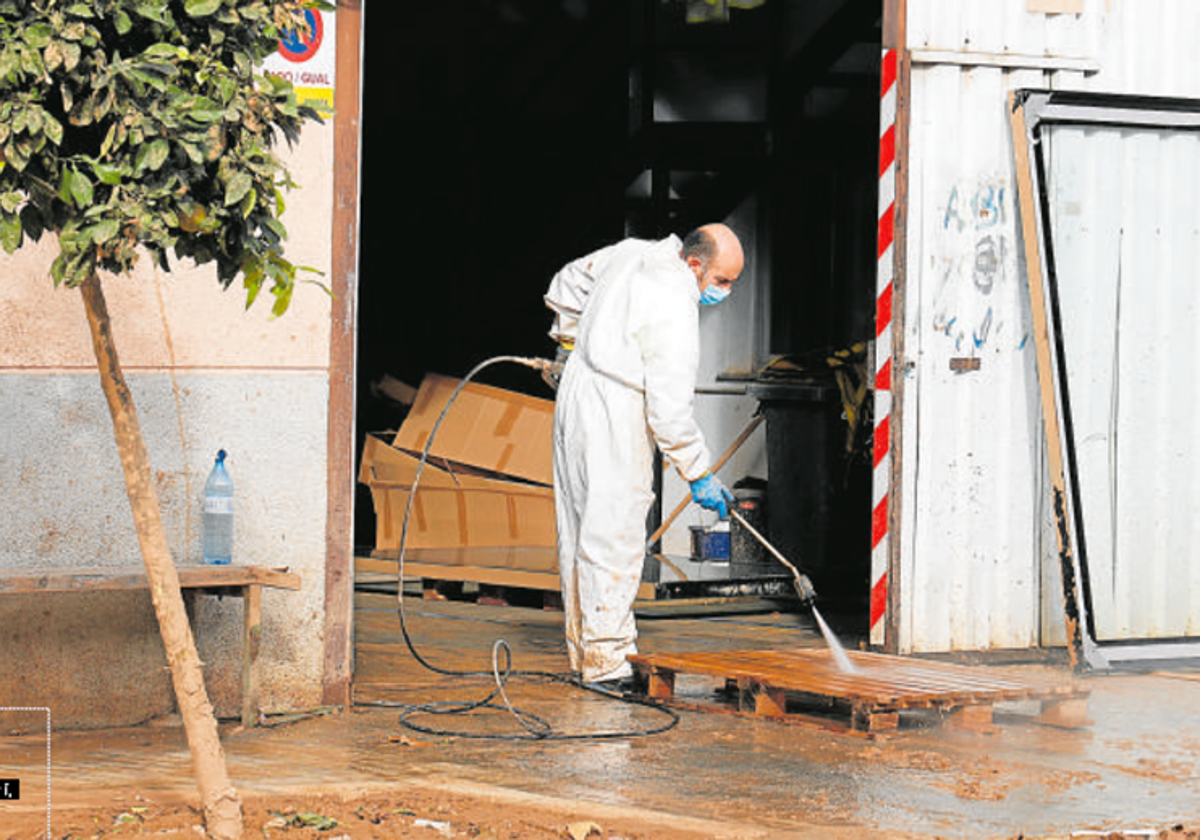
(710,493)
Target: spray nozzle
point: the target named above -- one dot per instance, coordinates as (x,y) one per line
(804,589)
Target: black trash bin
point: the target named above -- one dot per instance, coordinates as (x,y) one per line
(818,494)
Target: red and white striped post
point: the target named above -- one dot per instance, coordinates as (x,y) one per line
(881,479)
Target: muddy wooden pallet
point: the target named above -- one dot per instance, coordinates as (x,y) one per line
(806,686)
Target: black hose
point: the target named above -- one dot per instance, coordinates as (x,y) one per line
(535,728)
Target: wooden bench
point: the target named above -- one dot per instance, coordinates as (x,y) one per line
(245,582)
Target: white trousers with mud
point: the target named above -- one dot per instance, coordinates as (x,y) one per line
(603,476)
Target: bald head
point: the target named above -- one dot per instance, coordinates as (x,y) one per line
(714,254)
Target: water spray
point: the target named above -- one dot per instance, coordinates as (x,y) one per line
(807,594)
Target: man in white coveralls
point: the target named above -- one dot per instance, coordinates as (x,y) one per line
(628,316)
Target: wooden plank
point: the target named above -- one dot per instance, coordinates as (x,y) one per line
(769,701)
(661,684)
(206,576)
(491,576)
(337,659)
(107,578)
(251,634)
(972,719)
(1045,353)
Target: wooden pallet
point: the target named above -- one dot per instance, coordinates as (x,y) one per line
(805,686)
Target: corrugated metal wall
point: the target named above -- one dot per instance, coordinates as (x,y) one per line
(976,552)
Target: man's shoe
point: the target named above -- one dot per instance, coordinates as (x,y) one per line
(632,685)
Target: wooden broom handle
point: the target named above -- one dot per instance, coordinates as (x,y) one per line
(683,503)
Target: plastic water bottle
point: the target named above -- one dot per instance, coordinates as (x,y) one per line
(218,515)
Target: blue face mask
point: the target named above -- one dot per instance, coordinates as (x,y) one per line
(713,294)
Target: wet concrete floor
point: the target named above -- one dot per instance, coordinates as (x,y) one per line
(1137,766)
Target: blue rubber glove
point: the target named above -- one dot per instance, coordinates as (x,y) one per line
(710,493)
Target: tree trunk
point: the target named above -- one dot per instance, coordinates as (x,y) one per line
(222,806)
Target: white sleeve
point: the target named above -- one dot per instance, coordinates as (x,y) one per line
(569,290)
(670,350)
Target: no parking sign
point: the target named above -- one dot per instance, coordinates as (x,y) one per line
(306,59)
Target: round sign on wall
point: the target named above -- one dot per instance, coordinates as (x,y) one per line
(301,46)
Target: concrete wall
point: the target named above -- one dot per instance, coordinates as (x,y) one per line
(205,374)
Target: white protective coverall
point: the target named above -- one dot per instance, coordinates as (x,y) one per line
(632,309)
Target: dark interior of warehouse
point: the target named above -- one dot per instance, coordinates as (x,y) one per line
(503,138)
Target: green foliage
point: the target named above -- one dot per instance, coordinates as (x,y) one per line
(127,123)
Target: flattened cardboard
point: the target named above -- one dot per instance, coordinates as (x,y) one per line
(452,510)
(490,428)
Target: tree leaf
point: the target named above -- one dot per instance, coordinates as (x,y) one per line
(109,140)
(154,10)
(252,279)
(283,298)
(74,30)
(104,231)
(205,111)
(33,119)
(237,187)
(16,154)
(38,35)
(107,173)
(152,156)
(71,55)
(163,50)
(10,232)
(194,152)
(276,227)
(64,184)
(54,55)
(81,189)
(31,63)
(58,269)
(201,8)
(10,63)
(248,203)
(52,128)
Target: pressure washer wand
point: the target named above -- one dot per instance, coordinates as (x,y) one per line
(804,587)
(540,365)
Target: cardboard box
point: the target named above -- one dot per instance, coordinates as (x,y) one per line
(453,507)
(488,481)
(487,427)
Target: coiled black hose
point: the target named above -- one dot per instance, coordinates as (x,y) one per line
(534,728)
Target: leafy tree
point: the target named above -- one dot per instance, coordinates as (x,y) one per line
(142,127)
(130,123)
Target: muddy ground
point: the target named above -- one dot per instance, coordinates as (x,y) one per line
(359,773)
(425,814)
(399,814)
